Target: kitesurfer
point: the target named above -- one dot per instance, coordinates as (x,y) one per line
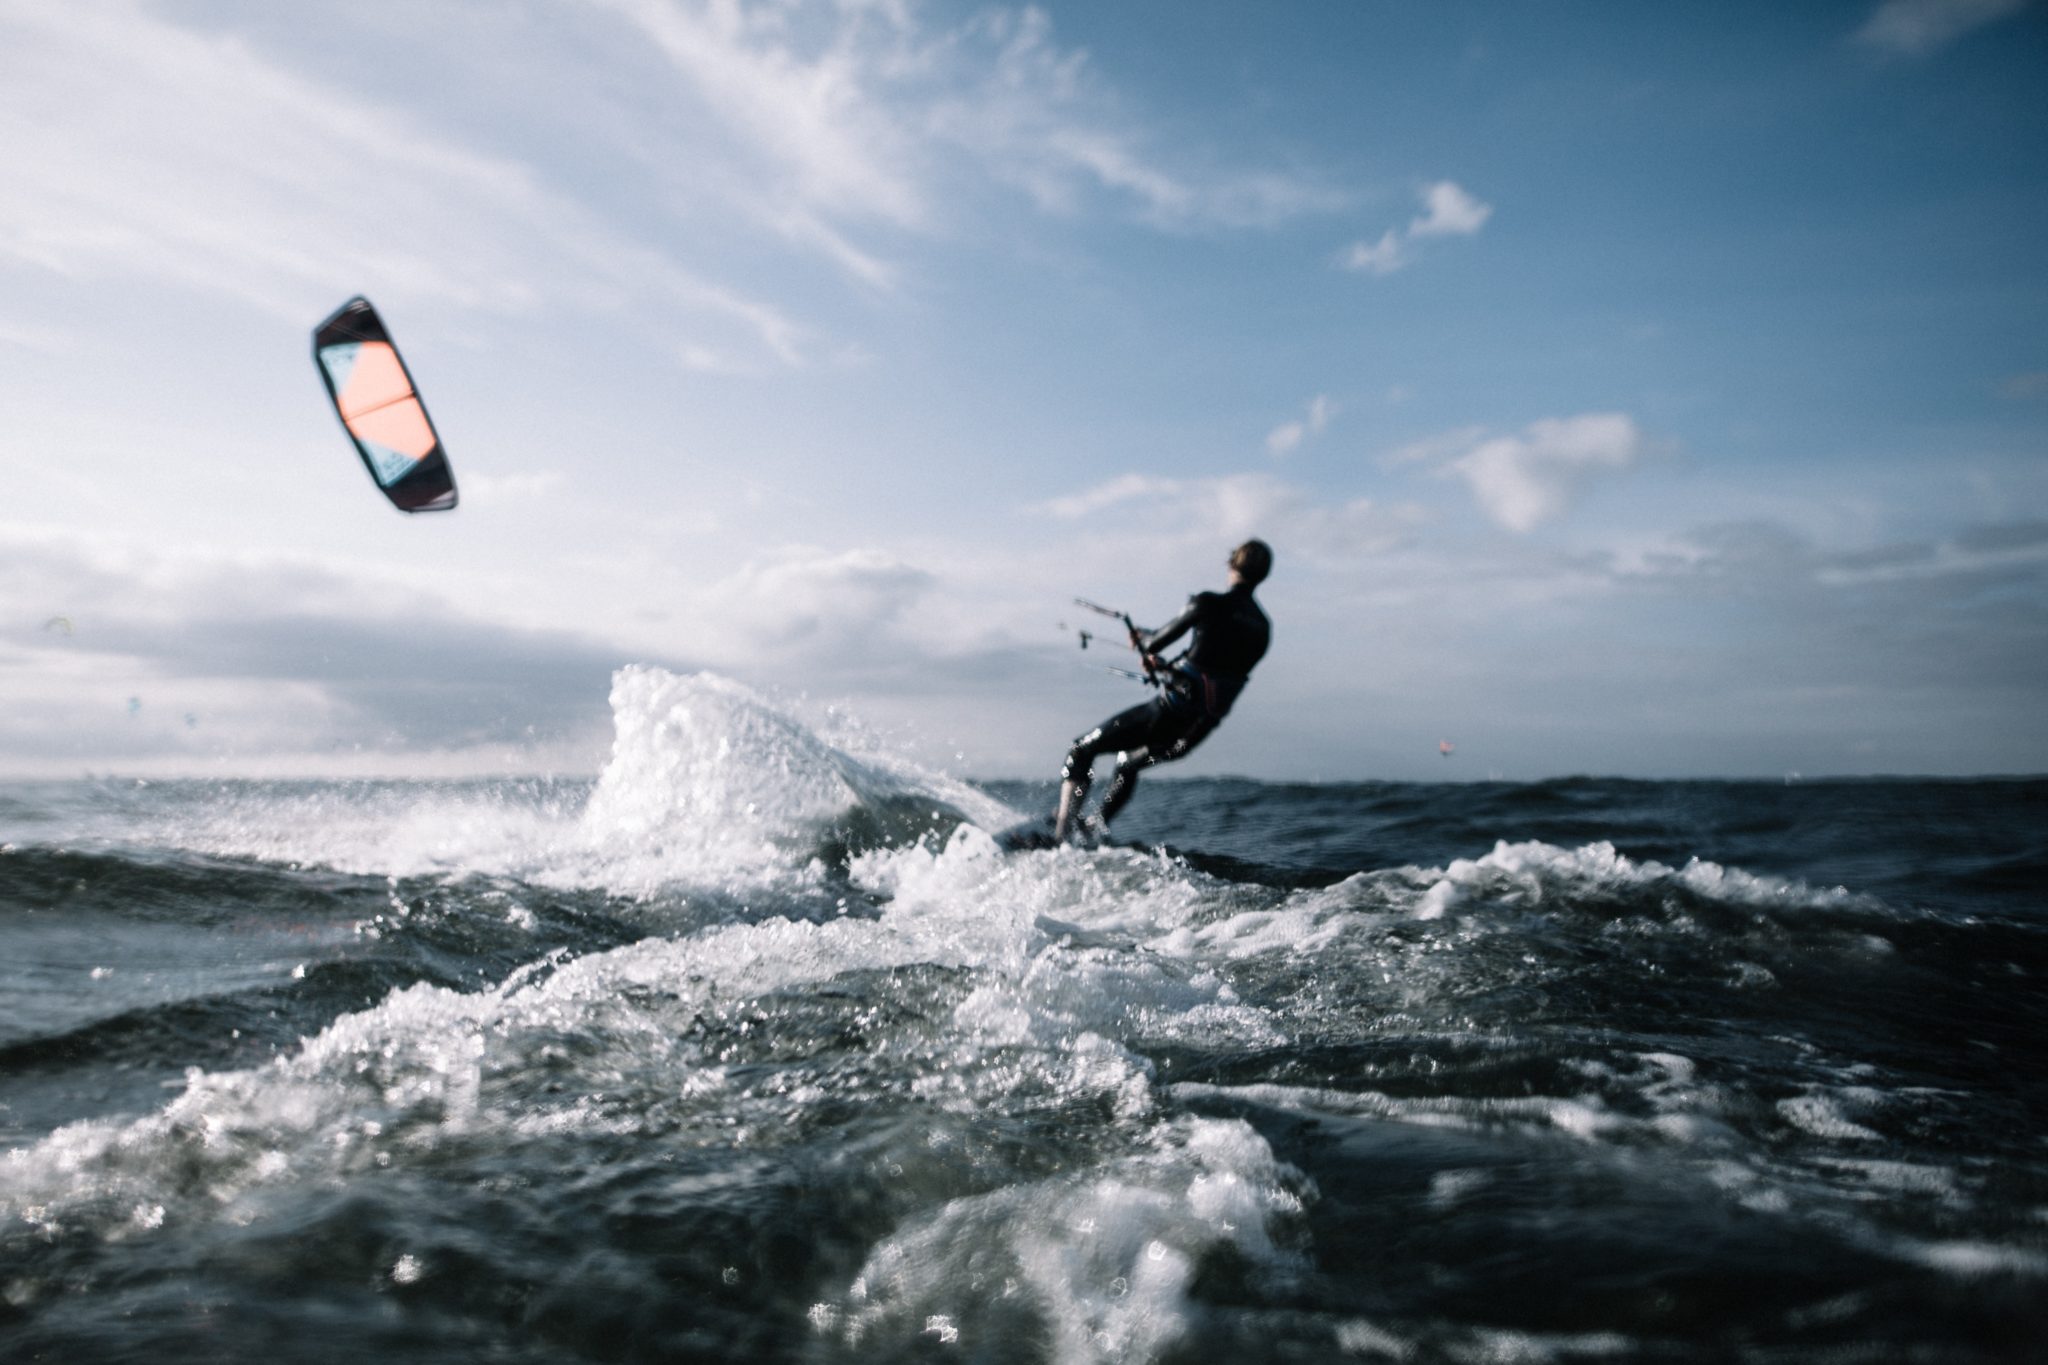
(1195,691)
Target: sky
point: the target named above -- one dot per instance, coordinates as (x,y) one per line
(1644,390)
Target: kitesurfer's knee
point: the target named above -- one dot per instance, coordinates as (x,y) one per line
(1121,787)
(1081,760)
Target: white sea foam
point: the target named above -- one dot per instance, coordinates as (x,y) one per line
(1975,1260)
(1890,1179)
(1584,1117)
(1533,871)
(1103,1260)
(708,780)
(1537,1348)
(712,786)
(1060,965)
(1311,924)
(1821,1112)
(708,784)
(1057,972)
(1053,948)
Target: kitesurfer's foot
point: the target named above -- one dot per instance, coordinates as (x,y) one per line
(1069,814)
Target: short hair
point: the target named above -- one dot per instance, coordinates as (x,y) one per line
(1253,560)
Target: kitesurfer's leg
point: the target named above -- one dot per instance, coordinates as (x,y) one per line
(1124,785)
(1073,793)
(1119,732)
(1075,779)
(1195,731)
(1162,749)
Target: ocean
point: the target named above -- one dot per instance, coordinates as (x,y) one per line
(755,1048)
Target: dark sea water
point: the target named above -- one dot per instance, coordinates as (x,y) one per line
(756,1049)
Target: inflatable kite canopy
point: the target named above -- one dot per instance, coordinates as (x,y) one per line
(374,396)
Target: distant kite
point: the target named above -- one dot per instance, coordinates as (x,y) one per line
(374,396)
(61,624)
(1445,747)
(134,705)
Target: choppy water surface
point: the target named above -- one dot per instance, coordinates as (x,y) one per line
(756,1049)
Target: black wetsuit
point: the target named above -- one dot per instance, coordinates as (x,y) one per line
(1231,635)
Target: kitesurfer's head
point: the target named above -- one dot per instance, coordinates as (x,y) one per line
(1251,562)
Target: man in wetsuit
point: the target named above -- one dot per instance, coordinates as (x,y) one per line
(1196,692)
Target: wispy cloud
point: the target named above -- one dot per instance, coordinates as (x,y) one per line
(1914,28)
(1383,257)
(1448,210)
(813,116)
(1120,489)
(1192,517)
(235,162)
(197,160)
(1036,115)
(530,486)
(42,340)
(850,120)
(1286,438)
(1436,449)
(2010,549)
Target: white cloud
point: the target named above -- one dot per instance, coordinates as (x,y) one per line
(1123,488)
(196,160)
(811,601)
(2019,549)
(1437,449)
(856,117)
(1288,436)
(1383,257)
(1526,479)
(1448,211)
(1035,116)
(1190,518)
(246,158)
(243,658)
(814,117)
(41,340)
(520,487)
(1914,28)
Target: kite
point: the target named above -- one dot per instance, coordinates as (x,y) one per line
(1445,747)
(374,396)
(58,623)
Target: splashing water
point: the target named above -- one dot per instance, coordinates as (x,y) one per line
(757,1048)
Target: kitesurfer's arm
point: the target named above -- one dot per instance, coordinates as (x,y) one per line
(1163,637)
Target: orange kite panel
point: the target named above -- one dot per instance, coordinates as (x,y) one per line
(400,426)
(376,379)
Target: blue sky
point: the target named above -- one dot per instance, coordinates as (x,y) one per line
(1650,390)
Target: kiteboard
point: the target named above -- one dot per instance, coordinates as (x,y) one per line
(1026,834)
(1036,833)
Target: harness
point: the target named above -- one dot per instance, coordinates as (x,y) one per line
(1187,686)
